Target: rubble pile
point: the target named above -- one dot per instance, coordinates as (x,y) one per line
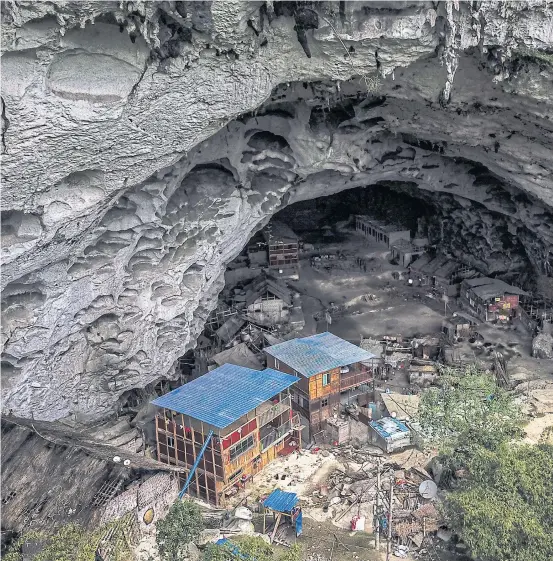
(542,346)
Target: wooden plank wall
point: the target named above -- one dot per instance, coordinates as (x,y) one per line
(316,388)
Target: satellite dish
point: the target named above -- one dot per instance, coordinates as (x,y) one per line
(127,463)
(116,459)
(428,489)
(393,415)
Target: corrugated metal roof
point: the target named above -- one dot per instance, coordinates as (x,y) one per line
(388,426)
(486,287)
(223,395)
(318,353)
(281,501)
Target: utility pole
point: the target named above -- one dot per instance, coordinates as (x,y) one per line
(377,507)
(389,544)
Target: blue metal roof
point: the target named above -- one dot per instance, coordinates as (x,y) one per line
(223,395)
(388,426)
(281,501)
(318,353)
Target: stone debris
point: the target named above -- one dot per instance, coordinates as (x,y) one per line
(542,346)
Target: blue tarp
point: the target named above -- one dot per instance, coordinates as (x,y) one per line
(318,353)
(281,501)
(225,394)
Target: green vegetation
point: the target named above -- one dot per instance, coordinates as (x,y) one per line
(504,508)
(468,409)
(73,543)
(251,547)
(182,525)
(501,496)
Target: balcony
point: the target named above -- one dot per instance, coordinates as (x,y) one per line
(356,376)
(268,412)
(279,433)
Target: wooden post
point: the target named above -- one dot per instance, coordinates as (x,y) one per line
(157,439)
(205,470)
(377,537)
(277,522)
(212,446)
(175,437)
(184,440)
(194,452)
(389,545)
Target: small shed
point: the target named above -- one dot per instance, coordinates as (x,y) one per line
(389,434)
(339,430)
(422,374)
(456,326)
(283,504)
(427,348)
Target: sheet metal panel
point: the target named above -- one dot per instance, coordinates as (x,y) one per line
(318,353)
(281,501)
(222,396)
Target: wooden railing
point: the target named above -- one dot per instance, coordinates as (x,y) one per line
(276,410)
(276,435)
(355,377)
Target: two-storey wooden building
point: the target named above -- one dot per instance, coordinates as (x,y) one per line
(283,249)
(250,414)
(490,299)
(326,366)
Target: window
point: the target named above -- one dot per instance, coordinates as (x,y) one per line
(326,379)
(277,364)
(235,474)
(170,442)
(324,402)
(241,447)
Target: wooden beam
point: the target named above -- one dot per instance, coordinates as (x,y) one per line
(203,460)
(277,522)
(157,439)
(176,442)
(194,451)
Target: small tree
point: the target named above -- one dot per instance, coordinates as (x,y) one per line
(182,525)
(467,410)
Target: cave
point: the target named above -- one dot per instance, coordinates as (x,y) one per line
(119,234)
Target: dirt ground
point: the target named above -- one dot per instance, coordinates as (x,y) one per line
(395,309)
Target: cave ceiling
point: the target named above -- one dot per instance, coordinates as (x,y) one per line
(144,143)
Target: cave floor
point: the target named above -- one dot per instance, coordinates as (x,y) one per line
(396,308)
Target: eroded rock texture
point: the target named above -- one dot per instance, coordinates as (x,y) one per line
(144,142)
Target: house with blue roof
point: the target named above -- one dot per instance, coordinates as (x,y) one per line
(326,366)
(225,427)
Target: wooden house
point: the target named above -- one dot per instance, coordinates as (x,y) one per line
(283,249)
(251,417)
(456,326)
(380,231)
(326,366)
(490,299)
(268,301)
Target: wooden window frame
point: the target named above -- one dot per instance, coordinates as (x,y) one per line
(326,379)
(244,445)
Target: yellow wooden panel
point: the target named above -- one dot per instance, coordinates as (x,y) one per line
(316,388)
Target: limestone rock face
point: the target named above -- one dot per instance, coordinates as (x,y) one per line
(144,142)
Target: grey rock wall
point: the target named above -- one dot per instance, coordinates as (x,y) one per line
(144,142)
